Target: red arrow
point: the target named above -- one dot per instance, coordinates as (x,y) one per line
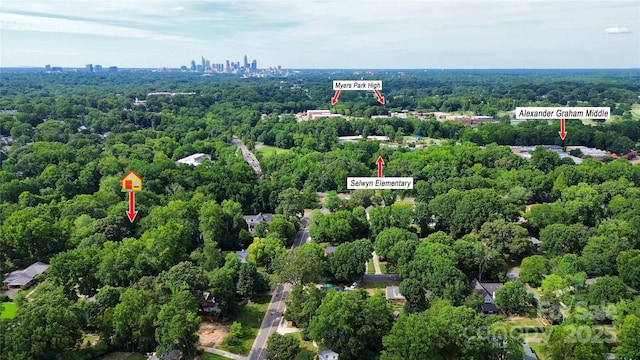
(380,97)
(132,207)
(562,132)
(334,99)
(380,162)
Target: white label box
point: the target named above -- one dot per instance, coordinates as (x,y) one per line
(563,113)
(357,85)
(379,183)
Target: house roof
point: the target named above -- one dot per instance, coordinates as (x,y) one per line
(242,255)
(129,173)
(487,290)
(171,355)
(195,159)
(328,355)
(256,219)
(393,293)
(330,249)
(535,241)
(23,277)
(489,308)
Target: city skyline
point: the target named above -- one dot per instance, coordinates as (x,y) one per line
(323,34)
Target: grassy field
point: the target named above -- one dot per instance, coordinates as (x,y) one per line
(525,322)
(8,310)
(635,110)
(250,316)
(380,286)
(268,151)
(383,267)
(591,122)
(209,356)
(539,349)
(371,269)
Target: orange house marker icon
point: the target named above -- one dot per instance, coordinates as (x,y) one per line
(131,182)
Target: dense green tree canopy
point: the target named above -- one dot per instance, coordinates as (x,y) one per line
(352,323)
(447,332)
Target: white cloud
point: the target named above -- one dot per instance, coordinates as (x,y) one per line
(17,22)
(178,8)
(617,30)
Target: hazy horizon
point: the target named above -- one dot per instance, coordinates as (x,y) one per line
(308,34)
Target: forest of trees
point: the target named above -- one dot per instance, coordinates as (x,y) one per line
(75,135)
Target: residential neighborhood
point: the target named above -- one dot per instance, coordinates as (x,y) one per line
(417,180)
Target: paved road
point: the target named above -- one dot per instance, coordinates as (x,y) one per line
(276,307)
(247,155)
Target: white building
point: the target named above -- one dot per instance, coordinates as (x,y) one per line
(328,355)
(378,138)
(318,114)
(194,160)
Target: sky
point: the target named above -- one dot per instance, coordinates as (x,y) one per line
(347,34)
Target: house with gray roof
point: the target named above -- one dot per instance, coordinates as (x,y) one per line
(393,294)
(488,292)
(254,220)
(21,278)
(242,255)
(327,355)
(329,250)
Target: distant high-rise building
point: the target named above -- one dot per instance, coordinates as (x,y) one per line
(246,63)
(200,68)
(89,67)
(97,68)
(227,67)
(47,68)
(193,65)
(207,65)
(183,68)
(113,69)
(254,65)
(204,63)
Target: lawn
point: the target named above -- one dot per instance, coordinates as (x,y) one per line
(250,316)
(371,269)
(269,151)
(635,110)
(591,122)
(379,286)
(8,310)
(383,267)
(89,339)
(210,356)
(540,350)
(525,322)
